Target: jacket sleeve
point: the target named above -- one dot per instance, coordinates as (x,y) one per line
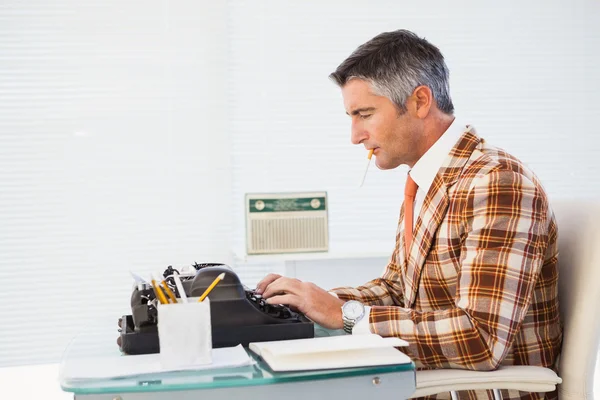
(383,291)
(502,252)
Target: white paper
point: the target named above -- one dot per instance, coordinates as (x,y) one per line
(327,344)
(128,365)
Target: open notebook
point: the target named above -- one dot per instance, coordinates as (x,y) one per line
(331,352)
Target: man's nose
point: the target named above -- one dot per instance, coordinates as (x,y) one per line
(358,133)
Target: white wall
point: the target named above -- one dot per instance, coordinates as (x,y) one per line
(114,156)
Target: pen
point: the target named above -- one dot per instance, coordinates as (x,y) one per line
(211,287)
(169,292)
(159,294)
(367,167)
(180,288)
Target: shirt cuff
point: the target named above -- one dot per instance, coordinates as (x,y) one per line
(362,327)
(334,294)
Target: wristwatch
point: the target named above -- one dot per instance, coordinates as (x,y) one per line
(352,312)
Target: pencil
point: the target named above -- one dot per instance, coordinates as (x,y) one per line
(159,294)
(211,287)
(169,292)
(367,167)
(180,288)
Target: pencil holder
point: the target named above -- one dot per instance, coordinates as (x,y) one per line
(184,333)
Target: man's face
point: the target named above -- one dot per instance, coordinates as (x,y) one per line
(377,125)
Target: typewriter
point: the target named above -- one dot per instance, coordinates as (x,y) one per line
(238,314)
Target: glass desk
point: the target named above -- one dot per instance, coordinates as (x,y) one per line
(254,381)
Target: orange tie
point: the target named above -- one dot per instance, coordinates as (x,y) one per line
(410,191)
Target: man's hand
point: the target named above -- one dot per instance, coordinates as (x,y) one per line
(306,297)
(266,281)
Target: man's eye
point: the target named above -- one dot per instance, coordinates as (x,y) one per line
(364,116)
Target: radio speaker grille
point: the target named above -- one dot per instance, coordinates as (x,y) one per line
(286,223)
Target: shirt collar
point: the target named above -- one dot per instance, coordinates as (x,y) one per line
(427,167)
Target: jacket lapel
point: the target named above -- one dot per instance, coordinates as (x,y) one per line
(433,212)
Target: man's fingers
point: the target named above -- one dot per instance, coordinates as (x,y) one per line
(287,299)
(266,281)
(281,286)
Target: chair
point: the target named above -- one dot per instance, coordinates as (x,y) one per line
(579,298)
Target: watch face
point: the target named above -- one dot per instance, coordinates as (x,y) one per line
(353,309)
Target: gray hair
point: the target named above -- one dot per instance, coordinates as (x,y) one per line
(395,63)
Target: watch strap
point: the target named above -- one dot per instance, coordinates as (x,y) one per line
(348,324)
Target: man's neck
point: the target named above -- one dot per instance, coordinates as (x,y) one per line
(433,131)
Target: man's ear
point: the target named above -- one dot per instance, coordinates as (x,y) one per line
(420,101)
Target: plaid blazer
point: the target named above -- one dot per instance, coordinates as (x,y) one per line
(478,288)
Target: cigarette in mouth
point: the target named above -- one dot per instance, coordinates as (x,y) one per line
(367,167)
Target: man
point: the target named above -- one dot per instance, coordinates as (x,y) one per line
(472,282)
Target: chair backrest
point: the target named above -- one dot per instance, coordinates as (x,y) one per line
(579,295)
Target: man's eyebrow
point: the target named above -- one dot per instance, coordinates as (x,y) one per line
(359,110)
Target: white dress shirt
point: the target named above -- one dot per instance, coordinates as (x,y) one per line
(423,173)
